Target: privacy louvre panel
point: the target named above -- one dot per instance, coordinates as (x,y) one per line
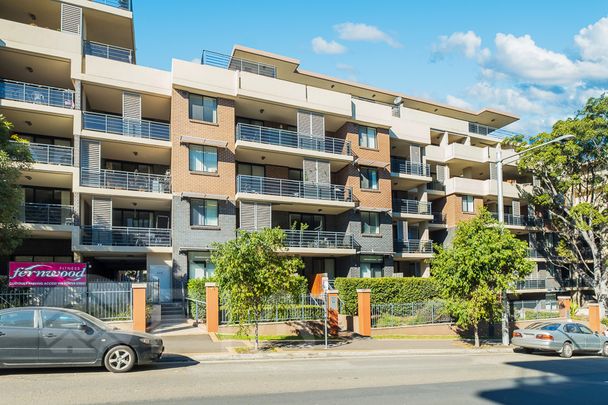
(131,106)
(441,173)
(401,230)
(316,171)
(255,216)
(310,123)
(516,208)
(415,155)
(71,19)
(493,172)
(102,211)
(90,163)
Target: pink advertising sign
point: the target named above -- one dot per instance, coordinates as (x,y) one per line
(31,274)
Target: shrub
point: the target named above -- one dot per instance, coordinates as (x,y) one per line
(605,321)
(386,290)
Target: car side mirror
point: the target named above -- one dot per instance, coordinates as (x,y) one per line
(83,327)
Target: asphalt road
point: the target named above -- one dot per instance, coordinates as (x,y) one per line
(504,378)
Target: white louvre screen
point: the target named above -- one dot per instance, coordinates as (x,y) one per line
(516,208)
(71,18)
(493,171)
(304,122)
(440,173)
(255,216)
(310,123)
(415,155)
(247,215)
(90,154)
(131,106)
(102,211)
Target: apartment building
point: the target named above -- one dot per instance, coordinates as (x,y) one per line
(139,171)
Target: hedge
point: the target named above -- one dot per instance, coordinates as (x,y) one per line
(386,290)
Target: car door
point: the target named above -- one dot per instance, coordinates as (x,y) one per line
(593,342)
(573,331)
(64,340)
(18,337)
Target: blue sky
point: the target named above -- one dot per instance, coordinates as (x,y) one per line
(538,59)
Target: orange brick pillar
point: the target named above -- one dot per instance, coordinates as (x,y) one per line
(564,306)
(139,306)
(317,285)
(365,312)
(332,312)
(594,318)
(212,299)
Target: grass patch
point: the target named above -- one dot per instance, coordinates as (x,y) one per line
(415,337)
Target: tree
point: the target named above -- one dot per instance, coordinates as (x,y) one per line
(14,157)
(482,262)
(250,270)
(571,186)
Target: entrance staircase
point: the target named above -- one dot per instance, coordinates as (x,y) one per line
(172,319)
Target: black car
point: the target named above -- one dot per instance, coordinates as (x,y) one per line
(56,337)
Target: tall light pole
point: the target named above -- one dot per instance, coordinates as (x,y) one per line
(501,218)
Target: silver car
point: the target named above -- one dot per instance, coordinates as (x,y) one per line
(563,337)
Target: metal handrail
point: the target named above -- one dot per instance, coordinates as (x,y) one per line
(291,139)
(106,51)
(412,207)
(439,218)
(414,246)
(403,166)
(36,94)
(122,180)
(48,214)
(122,4)
(318,239)
(198,304)
(51,154)
(521,220)
(435,186)
(293,188)
(532,284)
(114,124)
(94,235)
(490,131)
(232,63)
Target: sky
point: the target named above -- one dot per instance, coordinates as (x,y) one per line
(538,59)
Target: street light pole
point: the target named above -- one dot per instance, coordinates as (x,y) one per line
(501,218)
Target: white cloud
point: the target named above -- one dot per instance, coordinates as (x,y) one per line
(362,32)
(458,102)
(349,70)
(592,41)
(320,45)
(467,42)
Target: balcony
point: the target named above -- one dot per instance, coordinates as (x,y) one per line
(439,218)
(121,4)
(412,209)
(291,139)
(413,249)
(485,130)
(109,52)
(125,236)
(531,284)
(112,124)
(231,63)
(47,214)
(36,94)
(402,166)
(129,181)
(52,154)
(521,220)
(320,242)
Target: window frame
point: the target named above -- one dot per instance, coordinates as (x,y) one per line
(204,202)
(466,204)
(368,177)
(191,114)
(366,222)
(203,150)
(365,134)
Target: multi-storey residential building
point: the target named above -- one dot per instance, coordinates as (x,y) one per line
(138,171)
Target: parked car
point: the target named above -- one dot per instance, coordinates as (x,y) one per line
(56,337)
(565,338)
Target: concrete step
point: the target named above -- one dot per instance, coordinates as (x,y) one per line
(172,310)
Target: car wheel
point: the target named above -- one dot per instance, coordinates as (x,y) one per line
(567,350)
(119,359)
(605,350)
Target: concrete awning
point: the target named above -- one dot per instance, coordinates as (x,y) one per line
(371,163)
(203,141)
(373,209)
(187,194)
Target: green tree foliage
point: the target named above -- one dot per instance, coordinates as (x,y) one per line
(572,186)
(386,290)
(14,157)
(250,270)
(482,261)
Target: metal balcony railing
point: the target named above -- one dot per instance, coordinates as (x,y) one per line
(318,239)
(435,186)
(292,188)
(47,214)
(51,154)
(438,218)
(531,284)
(36,94)
(402,166)
(122,4)
(412,207)
(113,124)
(230,62)
(490,131)
(125,236)
(521,220)
(414,246)
(120,180)
(108,51)
(291,139)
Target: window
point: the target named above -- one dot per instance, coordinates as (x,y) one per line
(203,213)
(314,222)
(369,178)
(467,203)
(367,137)
(585,330)
(370,223)
(571,328)
(17,319)
(250,170)
(200,265)
(295,174)
(372,266)
(60,320)
(203,159)
(203,108)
